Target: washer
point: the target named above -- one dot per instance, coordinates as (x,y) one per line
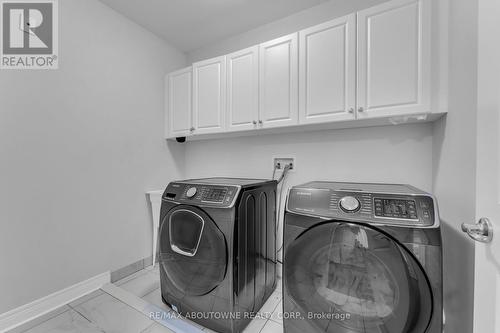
(218,249)
(362,258)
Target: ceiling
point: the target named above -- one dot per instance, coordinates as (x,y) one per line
(191,24)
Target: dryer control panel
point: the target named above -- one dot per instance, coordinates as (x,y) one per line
(377,208)
(222,196)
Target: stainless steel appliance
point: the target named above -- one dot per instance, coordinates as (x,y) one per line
(218,249)
(362,258)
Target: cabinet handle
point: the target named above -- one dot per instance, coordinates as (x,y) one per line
(261,122)
(254,122)
(351,110)
(360,109)
(192,129)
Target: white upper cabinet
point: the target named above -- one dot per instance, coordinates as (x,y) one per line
(243,89)
(278,90)
(178,117)
(327,57)
(373,65)
(209,95)
(394,59)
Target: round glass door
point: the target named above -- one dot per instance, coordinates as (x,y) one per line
(193,251)
(345,277)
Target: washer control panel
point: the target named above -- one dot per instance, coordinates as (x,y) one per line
(395,208)
(222,196)
(211,194)
(382,208)
(416,209)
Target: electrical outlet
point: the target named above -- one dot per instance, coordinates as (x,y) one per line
(281,162)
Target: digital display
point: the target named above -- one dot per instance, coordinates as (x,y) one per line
(214,195)
(395,208)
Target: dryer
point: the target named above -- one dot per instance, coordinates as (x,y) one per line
(362,258)
(218,249)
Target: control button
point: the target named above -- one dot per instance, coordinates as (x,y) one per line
(349,204)
(426,213)
(191,192)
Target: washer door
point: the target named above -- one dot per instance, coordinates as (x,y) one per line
(193,251)
(345,277)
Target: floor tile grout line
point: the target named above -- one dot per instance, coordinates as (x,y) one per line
(61,313)
(263,326)
(276,306)
(146,270)
(84,316)
(75,309)
(130,306)
(152,319)
(81,314)
(91,298)
(123,302)
(151,272)
(153,322)
(42,322)
(137,277)
(149,293)
(129,278)
(144,330)
(142,313)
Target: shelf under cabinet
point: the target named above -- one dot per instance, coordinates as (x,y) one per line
(357,123)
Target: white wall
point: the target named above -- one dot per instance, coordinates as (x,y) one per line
(454,161)
(394,154)
(391,154)
(79,147)
(304,19)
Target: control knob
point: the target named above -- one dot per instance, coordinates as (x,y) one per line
(191,192)
(349,204)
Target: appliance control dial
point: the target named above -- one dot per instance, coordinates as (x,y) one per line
(191,192)
(349,204)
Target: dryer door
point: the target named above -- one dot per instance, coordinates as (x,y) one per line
(344,277)
(193,251)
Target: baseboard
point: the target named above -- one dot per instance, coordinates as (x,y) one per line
(125,271)
(42,306)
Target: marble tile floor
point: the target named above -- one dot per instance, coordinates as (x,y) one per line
(125,307)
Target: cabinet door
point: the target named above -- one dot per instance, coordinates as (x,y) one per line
(179,111)
(327,70)
(278,91)
(394,59)
(243,89)
(209,101)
